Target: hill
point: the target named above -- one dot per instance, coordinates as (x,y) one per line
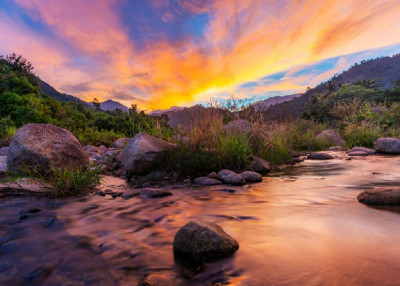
(50,91)
(113,105)
(263,105)
(384,69)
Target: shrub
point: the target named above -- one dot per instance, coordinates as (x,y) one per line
(361,136)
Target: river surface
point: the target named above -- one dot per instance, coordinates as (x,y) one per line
(301,226)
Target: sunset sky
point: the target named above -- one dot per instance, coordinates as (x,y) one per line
(161,53)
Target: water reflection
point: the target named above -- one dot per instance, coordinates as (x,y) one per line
(302,226)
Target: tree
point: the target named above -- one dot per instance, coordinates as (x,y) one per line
(96,104)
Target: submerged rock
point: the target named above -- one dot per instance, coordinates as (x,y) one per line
(203,241)
(388,146)
(251,177)
(258,165)
(331,137)
(319,156)
(362,149)
(143,153)
(154,193)
(204,181)
(230,177)
(42,145)
(357,153)
(380,197)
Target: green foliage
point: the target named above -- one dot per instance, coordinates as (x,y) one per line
(67,182)
(361,136)
(233,150)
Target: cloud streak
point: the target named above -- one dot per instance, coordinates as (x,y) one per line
(189,51)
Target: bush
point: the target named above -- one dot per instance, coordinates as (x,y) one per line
(361,136)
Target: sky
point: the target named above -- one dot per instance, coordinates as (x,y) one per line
(163,53)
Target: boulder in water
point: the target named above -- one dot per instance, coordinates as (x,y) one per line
(258,165)
(231,178)
(357,153)
(362,149)
(203,241)
(143,153)
(388,146)
(251,177)
(380,197)
(43,145)
(319,156)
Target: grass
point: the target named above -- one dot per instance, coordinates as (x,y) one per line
(63,182)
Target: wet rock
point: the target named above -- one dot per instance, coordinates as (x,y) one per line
(203,241)
(230,177)
(4,151)
(357,153)
(335,148)
(204,181)
(258,165)
(212,175)
(319,156)
(154,193)
(331,137)
(42,145)
(380,197)
(251,177)
(143,153)
(129,194)
(388,146)
(100,193)
(363,149)
(121,143)
(297,160)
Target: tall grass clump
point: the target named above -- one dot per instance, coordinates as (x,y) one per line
(361,136)
(65,182)
(233,150)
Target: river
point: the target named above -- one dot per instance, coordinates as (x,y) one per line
(300,226)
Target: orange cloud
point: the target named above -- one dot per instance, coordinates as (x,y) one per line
(241,41)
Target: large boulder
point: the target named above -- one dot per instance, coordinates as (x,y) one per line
(203,241)
(41,146)
(258,165)
(388,145)
(231,178)
(331,137)
(143,153)
(380,197)
(319,156)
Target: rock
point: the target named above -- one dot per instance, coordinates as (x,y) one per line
(207,181)
(3,164)
(380,197)
(258,165)
(319,156)
(129,194)
(357,153)
(187,181)
(331,137)
(251,177)
(363,149)
(203,241)
(335,148)
(388,145)
(239,125)
(4,151)
(154,193)
(121,143)
(42,145)
(143,153)
(212,175)
(230,177)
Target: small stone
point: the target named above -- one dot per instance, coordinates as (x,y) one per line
(204,181)
(212,175)
(319,156)
(251,177)
(154,193)
(230,177)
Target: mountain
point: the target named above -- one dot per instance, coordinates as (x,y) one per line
(263,105)
(166,111)
(111,105)
(385,69)
(50,91)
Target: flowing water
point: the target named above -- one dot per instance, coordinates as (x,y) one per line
(302,226)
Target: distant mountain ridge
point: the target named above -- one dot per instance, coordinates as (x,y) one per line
(385,69)
(55,94)
(264,105)
(112,105)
